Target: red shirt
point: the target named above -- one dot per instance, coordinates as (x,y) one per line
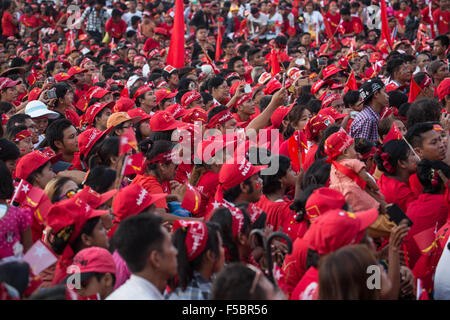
(395,191)
(310,157)
(152,185)
(294,266)
(401,16)
(415,185)
(116,30)
(355,25)
(279,215)
(30,22)
(441,19)
(8,28)
(207,186)
(150,44)
(308,287)
(333,21)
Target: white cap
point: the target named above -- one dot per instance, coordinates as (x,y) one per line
(36,109)
(132,80)
(207,69)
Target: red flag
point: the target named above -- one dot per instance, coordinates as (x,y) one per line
(127,141)
(39,257)
(176,50)
(22,188)
(328,28)
(393,134)
(32,78)
(70,44)
(218,44)
(211,63)
(430,14)
(414,91)
(385,33)
(41,52)
(274,63)
(351,83)
(134,164)
(191,200)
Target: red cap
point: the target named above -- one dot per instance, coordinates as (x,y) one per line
(330,111)
(330,99)
(192,199)
(7,83)
(169,68)
(317,85)
(139,112)
(93,198)
(93,110)
(323,200)
(162,31)
(164,121)
(272,86)
(195,114)
(177,111)
(264,77)
(88,138)
(279,114)
(96,92)
(62,76)
(34,94)
(329,71)
(123,105)
(163,94)
(190,97)
(376,56)
(30,162)
(443,89)
(337,143)
(368,46)
(142,90)
(131,200)
(196,236)
(338,228)
(95,259)
(317,124)
(75,70)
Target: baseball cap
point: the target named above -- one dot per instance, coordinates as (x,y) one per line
(7,83)
(30,162)
(328,100)
(36,109)
(75,70)
(88,138)
(131,81)
(369,87)
(195,114)
(62,76)
(123,104)
(330,70)
(96,92)
(120,117)
(272,86)
(190,97)
(323,200)
(93,110)
(443,89)
(162,94)
(279,114)
(93,198)
(317,85)
(232,174)
(337,143)
(139,112)
(317,124)
(34,94)
(94,260)
(330,111)
(177,110)
(338,228)
(164,121)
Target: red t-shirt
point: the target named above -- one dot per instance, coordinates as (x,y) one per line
(333,21)
(294,266)
(116,30)
(207,186)
(279,215)
(441,19)
(183,172)
(415,185)
(308,286)
(355,25)
(395,191)
(8,28)
(30,22)
(152,185)
(150,44)
(401,16)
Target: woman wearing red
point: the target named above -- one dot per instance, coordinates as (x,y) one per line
(9,23)
(398,163)
(333,17)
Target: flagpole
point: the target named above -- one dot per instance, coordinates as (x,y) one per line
(15,193)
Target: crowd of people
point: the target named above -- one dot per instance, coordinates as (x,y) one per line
(287,150)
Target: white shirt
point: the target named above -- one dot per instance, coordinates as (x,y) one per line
(442,275)
(136,288)
(313,22)
(257,24)
(127,17)
(273,26)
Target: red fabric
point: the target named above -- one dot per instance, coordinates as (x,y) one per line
(352,26)
(385,32)
(30,22)
(183,172)
(151,184)
(151,44)
(294,266)
(279,215)
(73,117)
(310,157)
(396,192)
(401,16)
(308,286)
(415,184)
(207,186)
(8,29)
(441,19)
(116,30)
(176,53)
(333,21)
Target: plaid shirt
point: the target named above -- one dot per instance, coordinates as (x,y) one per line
(365,125)
(198,289)
(95,23)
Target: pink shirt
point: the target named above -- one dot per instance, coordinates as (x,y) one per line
(122,271)
(12,224)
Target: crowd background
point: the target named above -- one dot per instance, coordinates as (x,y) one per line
(96,97)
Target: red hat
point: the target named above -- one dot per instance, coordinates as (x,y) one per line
(376,56)
(164,121)
(7,83)
(272,86)
(94,259)
(208,148)
(244,98)
(368,46)
(75,70)
(169,69)
(329,71)
(195,114)
(96,92)
(443,89)
(338,228)
(30,162)
(133,199)
(317,124)
(196,236)
(139,112)
(177,110)
(163,94)
(190,97)
(34,94)
(330,111)
(161,31)
(264,77)
(330,99)
(88,138)
(152,53)
(142,90)
(317,85)
(279,114)
(123,105)
(62,76)
(337,143)
(93,198)
(192,199)
(93,110)
(232,74)
(323,200)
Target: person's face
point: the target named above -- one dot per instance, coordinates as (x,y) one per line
(168,171)
(333,7)
(306,115)
(411,162)
(25,146)
(229,126)
(222,92)
(248,107)
(338,105)
(131,55)
(309,8)
(229,49)
(174,79)
(68,98)
(69,186)
(168,256)
(107,98)
(41,124)
(31,125)
(139,63)
(70,140)
(306,40)
(92,286)
(103,119)
(401,127)
(10,94)
(422,61)
(239,68)
(256,182)
(258,60)
(11,165)
(432,146)
(441,73)
(438,48)
(202,35)
(45,176)
(145,128)
(149,99)
(381,97)
(80,78)
(58,68)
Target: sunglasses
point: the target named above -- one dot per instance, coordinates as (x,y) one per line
(68,195)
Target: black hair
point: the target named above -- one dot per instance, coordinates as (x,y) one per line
(317,173)
(234,282)
(264,102)
(222,216)
(314,106)
(260,223)
(233,193)
(6,183)
(88,229)
(55,132)
(423,110)
(101,178)
(8,150)
(397,98)
(136,237)
(153,148)
(252,52)
(61,89)
(320,153)
(107,149)
(363,146)
(429,177)
(394,64)
(345,11)
(161,135)
(6,106)
(57,292)
(233,61)
(17,119)
(397,150)
(215,82)
(414,134)
(271,183)
(403,109)
(215,111)
(351,97)
(443,39)
(116,13)
(186,268)
(16,274)
(184,83)
(298,205)
(12,131)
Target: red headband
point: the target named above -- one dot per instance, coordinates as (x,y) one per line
(425,82)
(139,58)
(244,98)
(220,118)
(22,135)
(83,63)
(166,157)
(368,154)
(196,236)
